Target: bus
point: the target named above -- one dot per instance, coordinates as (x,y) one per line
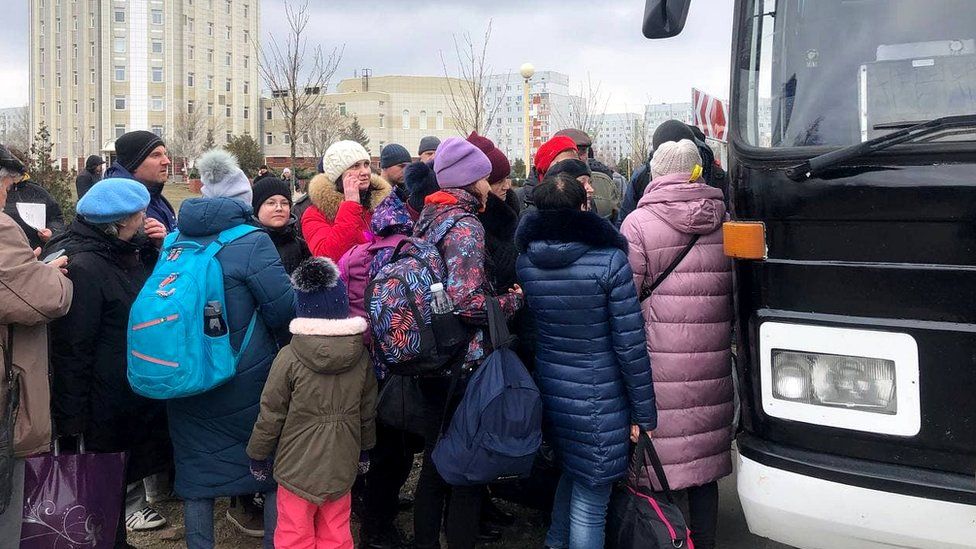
(852,163)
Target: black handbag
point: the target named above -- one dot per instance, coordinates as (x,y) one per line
(401,404)
(639,518)
(10,404)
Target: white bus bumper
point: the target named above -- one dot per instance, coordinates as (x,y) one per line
(811,513)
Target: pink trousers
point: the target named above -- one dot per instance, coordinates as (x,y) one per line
(304,525)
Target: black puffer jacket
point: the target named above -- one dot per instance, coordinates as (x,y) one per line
(500,220)
(26,191)
(90,391)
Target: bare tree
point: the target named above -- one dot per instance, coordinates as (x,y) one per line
(296,75)
(17,132)
(190,129)
(586,110)
(468,95)
(323,127)
(639,140)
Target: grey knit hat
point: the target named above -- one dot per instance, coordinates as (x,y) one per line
(429,143)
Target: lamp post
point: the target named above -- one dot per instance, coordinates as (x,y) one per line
(526,70)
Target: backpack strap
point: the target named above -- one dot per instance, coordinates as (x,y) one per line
(647,291)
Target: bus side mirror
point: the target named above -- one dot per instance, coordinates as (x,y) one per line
(665,18)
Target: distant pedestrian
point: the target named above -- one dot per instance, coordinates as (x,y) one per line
(591,362)
(288,179)
(94,166)
(141,155)
(25,191)
(263,172)
(318,411)
(428,148)
(688,326)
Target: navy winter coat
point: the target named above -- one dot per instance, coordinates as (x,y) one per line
(591,359)
(210,431)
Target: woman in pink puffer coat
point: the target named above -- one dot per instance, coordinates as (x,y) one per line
(688,326)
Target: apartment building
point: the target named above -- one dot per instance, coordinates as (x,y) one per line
(549,105)
(100,68)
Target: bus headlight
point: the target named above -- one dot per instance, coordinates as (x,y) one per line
(839,381)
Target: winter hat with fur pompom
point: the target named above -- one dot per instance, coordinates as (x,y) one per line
(340,156)
(222,177)
(319,292)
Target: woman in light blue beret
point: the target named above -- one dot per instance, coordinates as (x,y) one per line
(112,249)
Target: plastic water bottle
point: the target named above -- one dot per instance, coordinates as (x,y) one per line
(440,302)
(213,320)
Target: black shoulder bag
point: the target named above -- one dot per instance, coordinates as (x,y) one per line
(646,291)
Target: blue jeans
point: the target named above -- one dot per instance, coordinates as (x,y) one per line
(198,517)
(579,515)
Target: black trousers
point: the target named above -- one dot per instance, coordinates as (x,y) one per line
(463,507)
(699,504)
(390,463)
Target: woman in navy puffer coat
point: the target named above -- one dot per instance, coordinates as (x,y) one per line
(210,431)
(591,361)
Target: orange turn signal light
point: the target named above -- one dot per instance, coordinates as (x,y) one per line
(744,239)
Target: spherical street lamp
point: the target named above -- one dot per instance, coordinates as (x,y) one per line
(526,70)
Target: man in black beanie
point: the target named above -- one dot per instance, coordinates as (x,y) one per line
(669,130)
(141,155)
(394,158)
(90,175)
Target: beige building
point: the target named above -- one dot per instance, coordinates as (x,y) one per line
(100,68)
(391,109)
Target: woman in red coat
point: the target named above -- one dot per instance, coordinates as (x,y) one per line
(343,198)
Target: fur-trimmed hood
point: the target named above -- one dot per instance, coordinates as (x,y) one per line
(501,217)
(328,345)
(568,226)
(325,197)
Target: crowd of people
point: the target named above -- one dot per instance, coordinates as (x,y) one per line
(618,292)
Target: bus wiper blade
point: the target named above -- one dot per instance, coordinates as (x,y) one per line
(817,164)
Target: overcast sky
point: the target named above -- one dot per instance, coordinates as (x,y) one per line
(575,37)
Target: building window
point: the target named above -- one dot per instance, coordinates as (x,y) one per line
(91,47)
(92,133)
(189,52)
(268,114)
(74,77)
(229,137)
(156,103)
(382,121)
(268,139)
(119,15)
(157,74)
(305,138)
(246,11)
(209,109)
(158,130)
(91,106)
(423,120)
(157,17)
(210,81)
(190,106)
(118,45)
(119,73)
(157,46)
(120,102)
(119,130)
(209,56)
(42,81)
(247,36)
(189,79)
(189,24)
(210,27)
(227,85)
(228,7)
(227,59)
(75,106)
(57,79)
(227,110)
(406,119)
(43,109)
(228,33)
(91,20)
(287,139)
(247,61)
(247,113)
(342,109)
(440,120)
(247,87)
(59,107)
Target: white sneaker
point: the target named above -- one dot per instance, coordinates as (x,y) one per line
(146,519)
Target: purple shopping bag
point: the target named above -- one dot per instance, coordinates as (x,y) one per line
(72,501)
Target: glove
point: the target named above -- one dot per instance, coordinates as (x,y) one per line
(363,462)
(261,469)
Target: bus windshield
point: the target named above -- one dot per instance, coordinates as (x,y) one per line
(838,72)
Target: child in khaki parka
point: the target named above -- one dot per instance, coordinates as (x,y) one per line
(317,413)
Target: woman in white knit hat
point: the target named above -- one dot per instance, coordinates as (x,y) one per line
(343,198)
(688,319)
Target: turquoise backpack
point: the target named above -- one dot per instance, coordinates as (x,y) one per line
(169,354)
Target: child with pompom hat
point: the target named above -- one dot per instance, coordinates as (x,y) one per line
(317,413)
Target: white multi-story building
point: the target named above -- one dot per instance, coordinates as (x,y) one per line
(549,102)
(100,68)
(12,125)
(616,137)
